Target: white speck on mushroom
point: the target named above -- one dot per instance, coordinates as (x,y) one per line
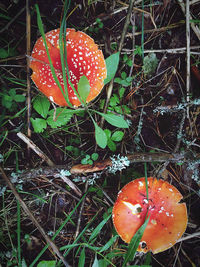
(51,98)
(171,190)
(167,213)
(141,184)
(88,73)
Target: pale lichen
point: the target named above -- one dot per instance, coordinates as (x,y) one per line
(118,163)
(64,173)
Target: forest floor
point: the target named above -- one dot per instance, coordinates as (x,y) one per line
(156,89)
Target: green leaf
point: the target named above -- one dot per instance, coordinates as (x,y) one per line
(123,75)
(114,100)
(125,83)
(97,230)
(81,262)
(109,244)
(83,88)
(129,79)
(117,136)
(38,125)
(90,162)
(94,156)
(87,157)
(115,120)
(104,263)
(3,53)
(111,145)
(133,245)
(96,262)
(118,80)
(112,63)
(6,101)
(20,98)
(108,133)
(41,105)
(46,264)
(60,118)
(84,161)
(121,92)
(100,136)
(7,98)
(12,92)
(125,57)
(129,62)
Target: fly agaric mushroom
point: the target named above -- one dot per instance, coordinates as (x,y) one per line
(168,217)
(83,59)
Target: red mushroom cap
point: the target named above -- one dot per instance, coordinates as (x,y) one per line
(168,217)
(83,58)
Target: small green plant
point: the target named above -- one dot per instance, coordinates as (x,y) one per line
(115,103)
(54,118)
(117,136)
(124,80)
(89,159)
(5,53)
(138,50)
(10,99)
(97,27)
(74,151)
(126,60)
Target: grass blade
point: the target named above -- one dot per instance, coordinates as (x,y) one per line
(98,228)
(41,29)
(132,248)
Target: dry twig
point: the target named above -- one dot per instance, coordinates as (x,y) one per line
(36,149)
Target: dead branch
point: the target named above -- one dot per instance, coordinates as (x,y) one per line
(81,169)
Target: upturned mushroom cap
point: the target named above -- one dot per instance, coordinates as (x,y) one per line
(168,217)
(83,58)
